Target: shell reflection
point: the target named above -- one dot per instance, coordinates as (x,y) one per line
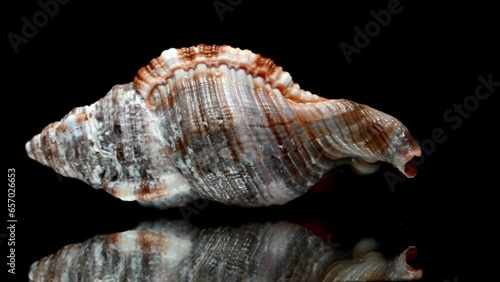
(177,251)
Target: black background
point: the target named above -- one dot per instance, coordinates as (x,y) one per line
(427,59)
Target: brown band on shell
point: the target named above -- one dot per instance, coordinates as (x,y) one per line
(157,72)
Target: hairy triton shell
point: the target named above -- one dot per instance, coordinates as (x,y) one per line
(218,123)
(176,251)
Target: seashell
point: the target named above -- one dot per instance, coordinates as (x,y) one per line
(222,124)
(176,251)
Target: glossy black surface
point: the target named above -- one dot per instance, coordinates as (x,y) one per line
(423,63)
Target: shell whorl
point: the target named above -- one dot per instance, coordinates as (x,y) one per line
(163,68)
(219,123)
